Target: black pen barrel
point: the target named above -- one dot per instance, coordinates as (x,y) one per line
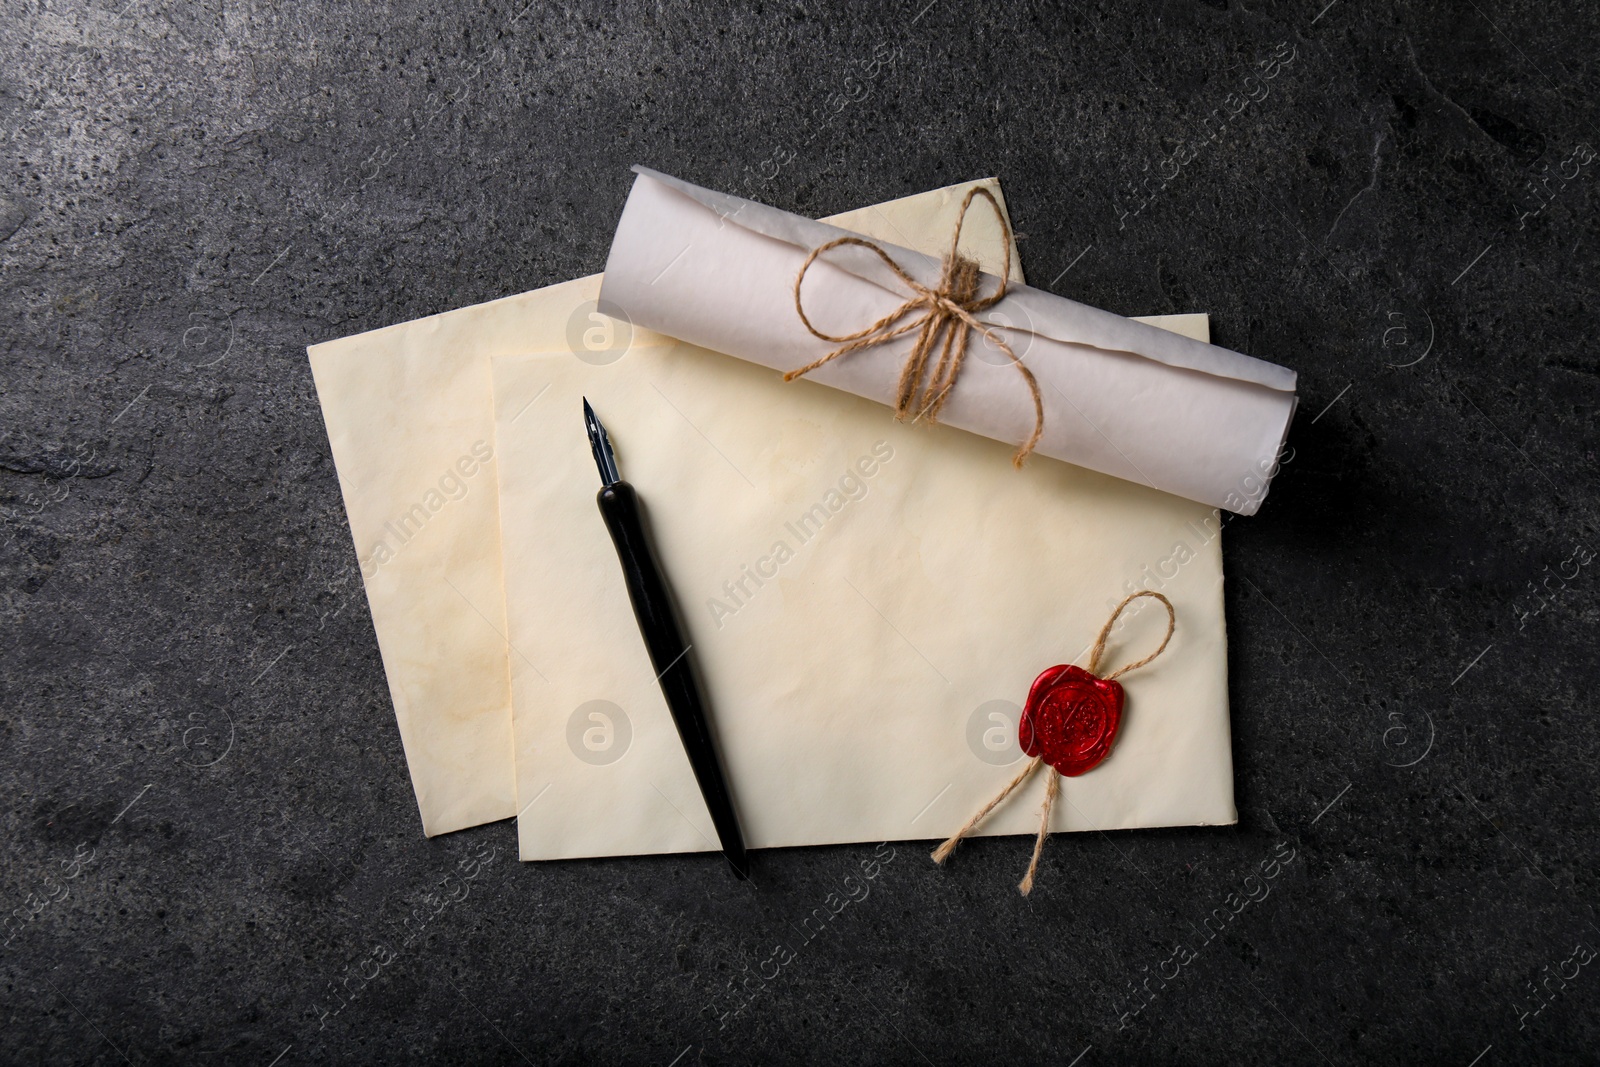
(669,655)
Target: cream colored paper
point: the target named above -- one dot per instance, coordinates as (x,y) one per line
(868,603)
(409,417)
(1118,396)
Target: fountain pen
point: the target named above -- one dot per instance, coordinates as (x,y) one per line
(663,640)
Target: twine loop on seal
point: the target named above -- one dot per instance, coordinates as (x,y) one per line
(1105,632)
(943,318)
(1053,786)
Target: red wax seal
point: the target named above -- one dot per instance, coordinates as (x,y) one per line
(1071,719)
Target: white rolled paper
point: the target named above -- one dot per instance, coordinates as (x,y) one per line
(1120,397)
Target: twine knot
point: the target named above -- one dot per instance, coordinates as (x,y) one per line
(944,319)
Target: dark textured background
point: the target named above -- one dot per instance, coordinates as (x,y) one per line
(208,827)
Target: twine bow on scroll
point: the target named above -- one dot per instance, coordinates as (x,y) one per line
(1070,721)
(943,319)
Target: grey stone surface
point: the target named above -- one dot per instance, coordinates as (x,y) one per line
(211,852)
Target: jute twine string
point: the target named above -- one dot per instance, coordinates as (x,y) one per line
(1053,787)
(943,319)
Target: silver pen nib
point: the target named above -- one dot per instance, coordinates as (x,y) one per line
(600,444)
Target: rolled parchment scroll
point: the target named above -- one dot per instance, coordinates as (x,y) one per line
(1120,397)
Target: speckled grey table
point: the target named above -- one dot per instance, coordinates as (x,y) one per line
(211,853)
